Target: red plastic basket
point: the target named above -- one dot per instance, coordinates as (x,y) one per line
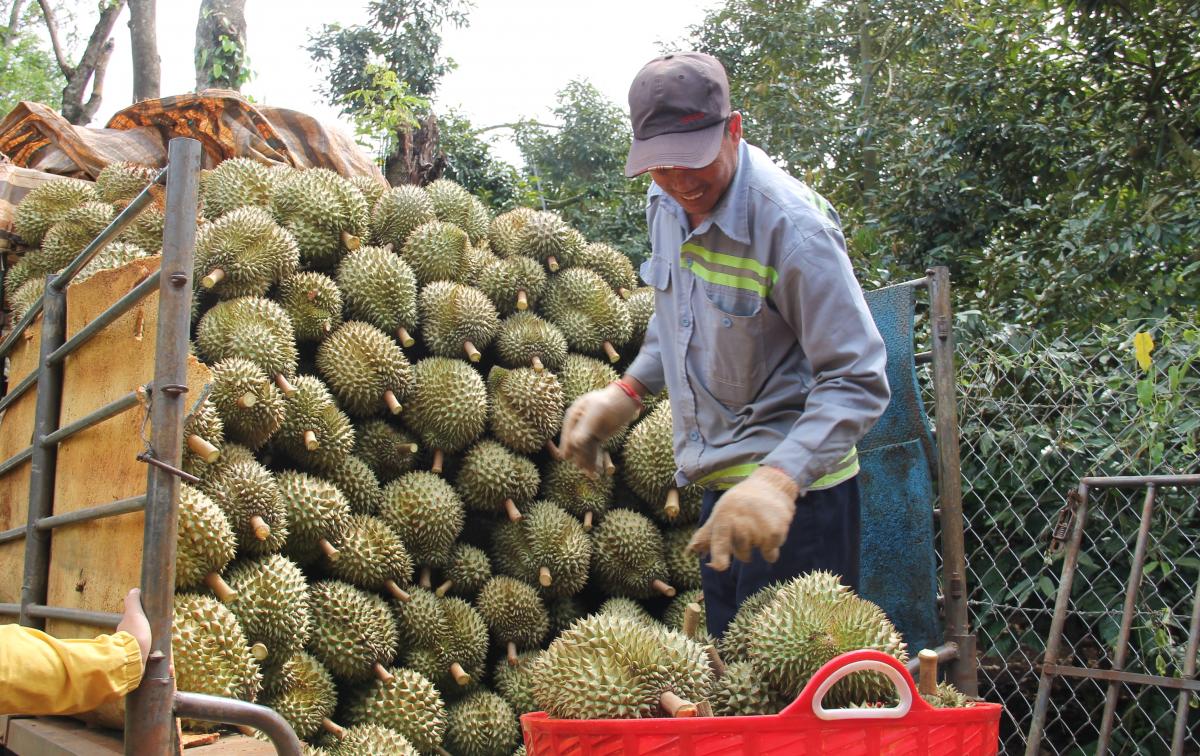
(804,728)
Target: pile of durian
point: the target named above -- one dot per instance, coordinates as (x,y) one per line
(384,545)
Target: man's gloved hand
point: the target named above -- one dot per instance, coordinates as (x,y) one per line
(591,420)
(753,514)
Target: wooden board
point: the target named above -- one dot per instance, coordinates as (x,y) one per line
(16,430)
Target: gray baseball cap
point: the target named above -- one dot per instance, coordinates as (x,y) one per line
(678,104)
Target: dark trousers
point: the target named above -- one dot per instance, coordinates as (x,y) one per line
(824,535)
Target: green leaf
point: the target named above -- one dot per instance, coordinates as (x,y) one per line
(218,69)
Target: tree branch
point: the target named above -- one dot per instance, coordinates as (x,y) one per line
(93,103)
(52,26)
(88,70)
(515,125)
(14,17)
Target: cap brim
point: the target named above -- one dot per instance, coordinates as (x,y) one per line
(688,149)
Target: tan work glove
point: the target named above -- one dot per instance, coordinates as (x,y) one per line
(591,420)
(753,514)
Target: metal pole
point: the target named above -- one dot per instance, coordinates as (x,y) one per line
(1189,672)
(149,713)
(963,669)
(229,711)
(43,458)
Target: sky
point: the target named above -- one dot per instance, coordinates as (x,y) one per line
(512,59)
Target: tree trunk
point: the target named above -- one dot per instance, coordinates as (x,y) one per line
(415,158)
(14,17)
(868,57)
(92,64)
(220,44)
(143,35)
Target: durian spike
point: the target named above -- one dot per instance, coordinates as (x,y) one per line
(537,364)
(426,579)
(676,706)
(544,577)
(671,508)
(259,651)
(331,553)
(555,454)
(522,300)
(247,400)
(587,520)
(284,384)
(611,352)
(459,674)
(438,461)
(472,353)
(928,676)
(399,593)
(552,263)
(262,531)
(610,467)
(716,662)
(514,514)
(393,404)
(214,277)
(624,293)
(203,449)
(220,588)
(333,728)
(350,241)
(691,619)
(444,588)
(406,339)
(310,440)
(513,659)
(662,587)
(381,672)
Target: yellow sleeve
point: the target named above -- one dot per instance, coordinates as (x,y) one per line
(41,674)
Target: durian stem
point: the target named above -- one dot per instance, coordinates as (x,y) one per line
(459,674)
(327,328)
(406,339)
(442,751)
(552,263)
(715,661)
(624,293)
(310,440)
(522,300)
(408,448)
(704,709)
(381,672)
(691,619)
(444,588)
(676,706)
(262,531)
(510,507)
(662,587)
(350,241)
(587,520)
(220,588)
(512,654)
(393,404)
(611,352)
(311,294)
(389,247)
(399,593)
(259,651)
(928,680)
(544,577)
(671,508)
(333,728)
(203,449)
(246,730)
(610,467)
(214,277)
(426,579)
(472,353)
(247,400)
(438,461)
(331,553)
(284,384)
(536,362)
(553,450)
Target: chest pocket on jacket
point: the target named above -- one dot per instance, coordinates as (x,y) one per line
(727,343)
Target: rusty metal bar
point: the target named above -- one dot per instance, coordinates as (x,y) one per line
(1131,593)
(1114,676)
(12,534)
(16,459)
(17,391)
(100,619)
(43,459)
(112,509)
(923,358)
(92,418)
(945,653)
(22,324)
(963,672)
(10,610)
(916,283)
(149,711)
(104,319)
(1135,481)
(229,711)
(1189,672)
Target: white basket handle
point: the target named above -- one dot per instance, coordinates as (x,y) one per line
(903,689)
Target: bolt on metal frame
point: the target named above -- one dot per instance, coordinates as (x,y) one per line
(152,708)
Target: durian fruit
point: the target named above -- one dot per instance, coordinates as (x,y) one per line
(397,212)
(146,230)
(812,619)
(735,643)
(67,238)
(353,632)
(479,220)
(510,552)
(505,230)
(122,180)
(421,623)
(236,182)
(308,700)
(482,724)
(372,556)
(593,318)
(365,369)
(357,482)
(683,565)
(649,469)
(448,407)
(243,253)
(451,202)
(369,740)
(946,697)
(513,283)
(112,255)
(525,340)
(548,239)
(493,479)
(464,648)
(314,432)
(325,213)
(457,319)
(23,299)
(271,605)
(514,613)
(23,290)
(204,545)
(560,551)
(611,667)
(254,328)
(203,437)
(583,496)
(379,288)
(210,653)
(314,303)
(627,555)
(408,704)
(47,203)
(676,612)
(389,451)
(514,682)
(526,407)
(629,609)
(427,514)
(248,494)
(317,516)
(251,407)
(370,187)
(611,265)
(438,251)
(468,572)
(640,304)
(563,612)
(742,692)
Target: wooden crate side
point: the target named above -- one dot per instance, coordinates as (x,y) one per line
(16,431)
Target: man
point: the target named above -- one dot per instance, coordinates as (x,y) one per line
(760,334)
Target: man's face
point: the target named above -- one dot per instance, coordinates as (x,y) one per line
(698,190)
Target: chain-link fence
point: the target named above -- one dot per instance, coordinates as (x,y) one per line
(1037,413)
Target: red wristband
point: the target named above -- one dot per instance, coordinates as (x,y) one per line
(621,384)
